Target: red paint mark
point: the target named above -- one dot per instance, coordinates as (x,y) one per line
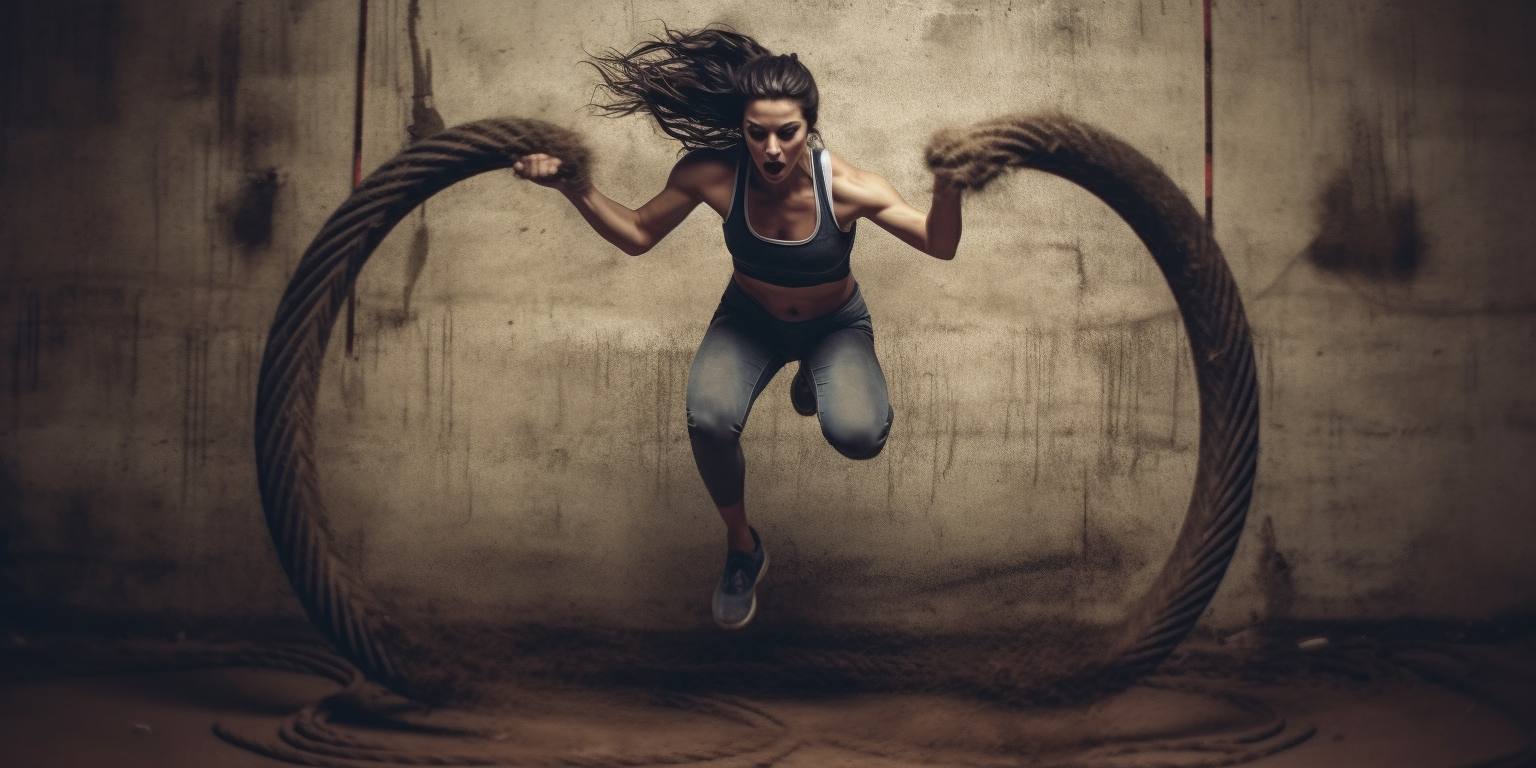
(1209,165)
(357,149)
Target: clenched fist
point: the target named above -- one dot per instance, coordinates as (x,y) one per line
(543,170)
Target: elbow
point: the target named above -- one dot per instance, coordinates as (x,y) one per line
(942,242)
(637,243)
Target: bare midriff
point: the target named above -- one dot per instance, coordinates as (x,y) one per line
(796,304)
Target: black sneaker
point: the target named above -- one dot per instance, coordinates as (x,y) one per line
(802,393)
(735,600)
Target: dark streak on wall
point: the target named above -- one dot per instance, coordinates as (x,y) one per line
(425,121)
(136,325)
(415,262)
(252,222)
(255,130)
(229,69)
(26,346)
(1367,228)
(200,78)
(195,408)
(1274,577)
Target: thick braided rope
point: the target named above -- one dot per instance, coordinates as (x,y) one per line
(359,627)
(334,598)
(1182,245)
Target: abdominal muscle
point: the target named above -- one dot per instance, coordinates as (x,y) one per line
(796,304)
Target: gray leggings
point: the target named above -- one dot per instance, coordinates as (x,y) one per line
(742,350)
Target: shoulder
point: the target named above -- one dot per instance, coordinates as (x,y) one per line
(707,176)
(856,185)
(704,167)
(842,170)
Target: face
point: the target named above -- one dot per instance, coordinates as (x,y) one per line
(775,131)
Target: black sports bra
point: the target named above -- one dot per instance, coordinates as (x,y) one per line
(820,258)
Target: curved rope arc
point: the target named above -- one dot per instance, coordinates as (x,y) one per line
(1220,340)
(333,597)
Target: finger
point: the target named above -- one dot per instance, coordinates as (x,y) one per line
(527,166)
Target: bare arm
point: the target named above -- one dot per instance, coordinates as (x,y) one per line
(936,233)
(632,231)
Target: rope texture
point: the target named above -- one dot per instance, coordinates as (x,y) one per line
(335,600)
(1183,246)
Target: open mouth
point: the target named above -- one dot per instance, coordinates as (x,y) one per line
(772,167)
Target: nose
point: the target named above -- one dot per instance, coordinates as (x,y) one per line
(772,148)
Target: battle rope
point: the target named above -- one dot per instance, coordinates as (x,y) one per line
(1132,185)
(1183,246)
(331,594)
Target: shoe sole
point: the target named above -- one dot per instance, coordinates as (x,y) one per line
(752,611)
(802,408)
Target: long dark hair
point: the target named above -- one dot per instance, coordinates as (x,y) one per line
(697,84)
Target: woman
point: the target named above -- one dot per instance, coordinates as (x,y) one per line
(747,118)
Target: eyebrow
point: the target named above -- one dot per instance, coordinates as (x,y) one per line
(795,125)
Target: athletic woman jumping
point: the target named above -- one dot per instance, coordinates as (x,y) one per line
(747,120)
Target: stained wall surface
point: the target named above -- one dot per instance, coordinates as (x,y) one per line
(506,438)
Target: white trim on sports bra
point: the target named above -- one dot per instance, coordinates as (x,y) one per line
(746,210)
(826,160)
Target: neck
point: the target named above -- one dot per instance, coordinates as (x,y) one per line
(793,183)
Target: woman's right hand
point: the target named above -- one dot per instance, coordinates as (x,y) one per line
(543,170)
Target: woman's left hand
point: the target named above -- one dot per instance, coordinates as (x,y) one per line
(543,170)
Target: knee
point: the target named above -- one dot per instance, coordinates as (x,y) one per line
(715,426)
(858,441)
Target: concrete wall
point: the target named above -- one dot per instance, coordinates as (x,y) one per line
(1376,176)
(507,440)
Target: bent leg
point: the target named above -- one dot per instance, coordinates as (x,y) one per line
(851,398)
(729,371)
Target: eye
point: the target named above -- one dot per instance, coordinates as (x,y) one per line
(757,132)
(788,133)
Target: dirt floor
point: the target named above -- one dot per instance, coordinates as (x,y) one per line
(1369,697)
